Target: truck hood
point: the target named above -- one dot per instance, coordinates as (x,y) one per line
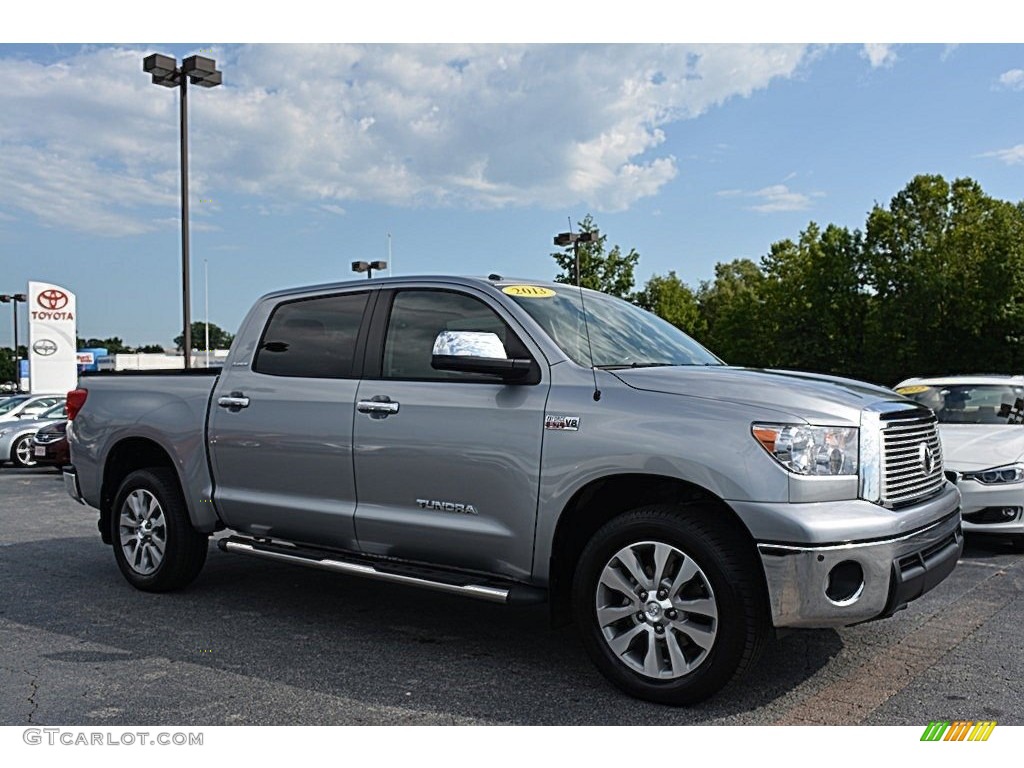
(815,397)
(968,447)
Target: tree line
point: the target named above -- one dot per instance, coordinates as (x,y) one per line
(933,284)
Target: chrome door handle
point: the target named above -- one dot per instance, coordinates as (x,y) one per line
(377,407)
(234,401)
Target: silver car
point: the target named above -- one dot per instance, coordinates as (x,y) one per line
(981,424)
(27,406)
(16,434)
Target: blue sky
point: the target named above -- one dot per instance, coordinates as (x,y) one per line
(471,156)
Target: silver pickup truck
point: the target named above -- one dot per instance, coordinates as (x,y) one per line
(519,441)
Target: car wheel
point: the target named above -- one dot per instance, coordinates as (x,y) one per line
(670,603)
(1017,542)
(21,452)
(155,545)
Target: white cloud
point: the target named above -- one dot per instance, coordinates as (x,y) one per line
(478,126)
(775,198)
(879,54)
(1012,79)
(1011,156)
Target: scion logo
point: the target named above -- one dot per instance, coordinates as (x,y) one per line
(52,299)
(44,347)
(447,506)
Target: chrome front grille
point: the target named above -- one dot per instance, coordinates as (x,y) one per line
(911,458)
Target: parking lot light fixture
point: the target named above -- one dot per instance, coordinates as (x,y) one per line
(368,267)
(574,239)
(201,71)
(13,299)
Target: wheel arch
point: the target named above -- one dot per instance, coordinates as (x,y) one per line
(125,457)
(605,498)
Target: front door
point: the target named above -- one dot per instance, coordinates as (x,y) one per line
(447,463)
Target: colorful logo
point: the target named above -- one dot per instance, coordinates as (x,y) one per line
(958,730)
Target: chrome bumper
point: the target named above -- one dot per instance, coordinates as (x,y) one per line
(894,572)
(71,485)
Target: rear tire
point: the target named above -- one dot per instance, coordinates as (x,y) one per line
(155,545)
(670,603)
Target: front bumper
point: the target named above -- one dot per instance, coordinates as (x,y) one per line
(980,501)
(893,572)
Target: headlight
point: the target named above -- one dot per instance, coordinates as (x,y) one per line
(1013,473)
(810,450)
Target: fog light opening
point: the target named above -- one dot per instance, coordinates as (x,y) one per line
(845,583)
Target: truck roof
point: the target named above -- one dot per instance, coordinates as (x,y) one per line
(476,281)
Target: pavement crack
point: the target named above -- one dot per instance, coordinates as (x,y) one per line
(32,681)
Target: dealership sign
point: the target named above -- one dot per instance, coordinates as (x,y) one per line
(53,338)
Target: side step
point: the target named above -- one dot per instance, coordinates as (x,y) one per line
(451,582)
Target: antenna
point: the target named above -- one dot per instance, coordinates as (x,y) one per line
(391,267)
(567,238)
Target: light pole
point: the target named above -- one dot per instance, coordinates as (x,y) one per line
(13,299)
(368,266)
(166,72)
(574,239)
(206,291)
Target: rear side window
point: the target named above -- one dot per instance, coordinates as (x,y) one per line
(312,338)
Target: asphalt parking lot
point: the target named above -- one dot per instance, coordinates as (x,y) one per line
(252,642)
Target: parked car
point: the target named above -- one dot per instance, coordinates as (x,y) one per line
(27,406)
(512,442)
(50,445)
(16,435)
(981,423)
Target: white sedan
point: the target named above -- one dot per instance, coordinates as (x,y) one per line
(981,424)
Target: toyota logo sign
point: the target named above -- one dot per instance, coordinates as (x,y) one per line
(44,347)
(52,299)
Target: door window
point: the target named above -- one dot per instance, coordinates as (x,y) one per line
(312,338)
(417,317)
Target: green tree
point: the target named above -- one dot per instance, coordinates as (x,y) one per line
(739,329)
(671,299)
(815,295)
(946,266)
(114,345)
(7,362)
(219,338)
(610,272)
(151,349)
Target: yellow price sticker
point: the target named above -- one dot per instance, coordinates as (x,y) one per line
(528,291)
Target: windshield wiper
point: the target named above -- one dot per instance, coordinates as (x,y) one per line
(619,366)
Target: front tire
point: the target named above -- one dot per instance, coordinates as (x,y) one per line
(21,452)
(670,603)
(155,545)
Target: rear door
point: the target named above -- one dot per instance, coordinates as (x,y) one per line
(280,428)
(447,463)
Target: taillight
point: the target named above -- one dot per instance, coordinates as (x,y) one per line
(76,399)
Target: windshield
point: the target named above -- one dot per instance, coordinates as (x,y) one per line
(11,403)
(621,334)
(970,403)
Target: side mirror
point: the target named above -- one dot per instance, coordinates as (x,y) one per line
(476,352)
